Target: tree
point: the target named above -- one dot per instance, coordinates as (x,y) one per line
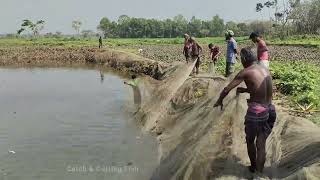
(76,25)
(283,13)
(179,25)
(123,26)
(34,27)
(216,26)
(233,26)
(88,33)
(194,26)
(107,27)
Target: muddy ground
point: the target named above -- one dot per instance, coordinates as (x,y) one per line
(170,53)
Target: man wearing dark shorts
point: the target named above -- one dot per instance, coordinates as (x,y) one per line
(261,114)
(196,49)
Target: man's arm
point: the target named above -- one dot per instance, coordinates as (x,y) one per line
(217,55)
(234,83)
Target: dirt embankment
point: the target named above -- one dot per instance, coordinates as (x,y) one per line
(200,142)
(57,57)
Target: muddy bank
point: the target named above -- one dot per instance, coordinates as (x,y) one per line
(200,142)
(59,57)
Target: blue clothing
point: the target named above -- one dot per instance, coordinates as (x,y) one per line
(231,46)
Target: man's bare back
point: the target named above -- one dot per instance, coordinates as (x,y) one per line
(259,84)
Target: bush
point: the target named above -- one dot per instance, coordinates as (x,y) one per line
(299,80)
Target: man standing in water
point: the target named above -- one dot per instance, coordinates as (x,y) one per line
(261,114)
(231,52)
(262,50)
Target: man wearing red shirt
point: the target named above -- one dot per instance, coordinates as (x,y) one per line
(262,50)
(214,54)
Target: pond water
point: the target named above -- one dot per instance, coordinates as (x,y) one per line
(70,124)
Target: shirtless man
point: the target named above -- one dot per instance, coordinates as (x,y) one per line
(262,50)
(261,114)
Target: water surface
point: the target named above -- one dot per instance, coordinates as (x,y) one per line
(68,124)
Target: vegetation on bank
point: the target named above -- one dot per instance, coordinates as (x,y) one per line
(302,40)
(112,42)
(300,81)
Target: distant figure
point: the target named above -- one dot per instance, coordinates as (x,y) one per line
(231,52)
(214,54)
(261,114)
(140,51)
(134,82)
(196,50)
(100,42)
(187,47)
(262,50)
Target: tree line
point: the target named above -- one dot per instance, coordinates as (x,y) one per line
(131,27)
(290,17)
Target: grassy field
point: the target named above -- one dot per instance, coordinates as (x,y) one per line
(76,42)
(305,41)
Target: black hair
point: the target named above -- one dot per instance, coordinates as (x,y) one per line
(133,76)
(210,45)
(248,56)
(254,35)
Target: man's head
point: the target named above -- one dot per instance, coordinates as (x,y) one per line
(210,46)
(186,36)
(247,57)
(229,34)
(255,37)
(133,77)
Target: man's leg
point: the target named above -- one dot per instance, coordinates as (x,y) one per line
(198,65)
(227,69)
(261,148)
(251,147)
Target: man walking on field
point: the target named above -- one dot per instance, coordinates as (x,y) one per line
(262,50)
(261,114)
(231,52)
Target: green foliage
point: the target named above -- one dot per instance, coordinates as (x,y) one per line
(298,80)
(298,40)
(131,27)
(78,42)
(34,27)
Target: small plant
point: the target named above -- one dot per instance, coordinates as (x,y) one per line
(306,108)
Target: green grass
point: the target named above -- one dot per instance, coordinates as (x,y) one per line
(77,42)
(299,81)
(303,40)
